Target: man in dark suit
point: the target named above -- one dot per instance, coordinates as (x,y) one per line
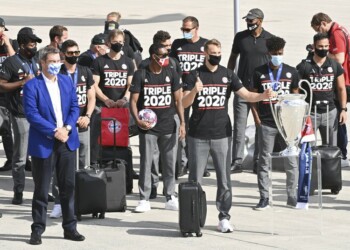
(51,108)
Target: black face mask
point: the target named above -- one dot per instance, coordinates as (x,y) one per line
(111,25)
(116,47)
(321,52)
(30,52)
(71,59)
(214,60)
(252,26)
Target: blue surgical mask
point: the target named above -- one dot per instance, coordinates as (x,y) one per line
(188,35)
(276,60)
(54,68)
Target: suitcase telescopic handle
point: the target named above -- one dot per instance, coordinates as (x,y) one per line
(319,103)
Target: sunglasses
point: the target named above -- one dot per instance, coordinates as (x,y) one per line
(73,53)
(250,20)
(187,30)
(163,55)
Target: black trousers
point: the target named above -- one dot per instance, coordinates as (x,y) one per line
(64,162)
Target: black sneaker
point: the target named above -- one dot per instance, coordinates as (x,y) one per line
(7,166)
(236,168)
(206,173)
(17,199)
(263,204)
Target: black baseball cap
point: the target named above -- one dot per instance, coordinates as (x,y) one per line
(98,39)
(26,33)
(2,23)
(254,13)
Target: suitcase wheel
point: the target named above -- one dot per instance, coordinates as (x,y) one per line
(101,216)
(79,217)
(185,234)
(94,215)
(335,191)
(199,234)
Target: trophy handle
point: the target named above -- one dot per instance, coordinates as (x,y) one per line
(305,92)
(279,127)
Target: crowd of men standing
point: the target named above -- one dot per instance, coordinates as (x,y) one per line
(40,111)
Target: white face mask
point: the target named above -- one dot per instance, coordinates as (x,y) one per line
(276,60)
(54,68)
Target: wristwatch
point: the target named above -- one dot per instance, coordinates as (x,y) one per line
(345,109)
(68,127)
(88,116)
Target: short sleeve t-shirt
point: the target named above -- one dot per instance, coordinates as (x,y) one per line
(14,69)
(156,93)
(261,80)
(323,81)
(190,55)
(252,51)
(339,42)
(210,119)
(113,76)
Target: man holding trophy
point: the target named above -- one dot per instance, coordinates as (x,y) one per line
(283,79)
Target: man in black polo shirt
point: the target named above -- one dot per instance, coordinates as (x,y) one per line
(16,71)
(207,90)
(327,79)
(250,45)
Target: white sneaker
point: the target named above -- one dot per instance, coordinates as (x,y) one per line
(172,204)
(345,163)
(225,226)
(56,211)
(143,206)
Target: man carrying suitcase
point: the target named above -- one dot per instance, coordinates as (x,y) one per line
(327,80)
(207,90)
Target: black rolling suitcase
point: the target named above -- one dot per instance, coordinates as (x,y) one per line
(330,163)
(192,208)
(90,190)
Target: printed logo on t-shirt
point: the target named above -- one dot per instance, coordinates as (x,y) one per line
(124,66)
(115,78)
(289,75)
(330,70)
(212,96)
(106,67)
(81,94)
(83,78)
(281,88)
(190,60)
(322,82)
(157,96)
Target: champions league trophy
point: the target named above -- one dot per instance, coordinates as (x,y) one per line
(289,114)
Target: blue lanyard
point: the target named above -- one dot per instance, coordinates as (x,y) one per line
(29,69)
(75,79)
(275,83)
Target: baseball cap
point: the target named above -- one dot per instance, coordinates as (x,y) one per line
(254,13)
(98,39)
(2,23)
(27,32)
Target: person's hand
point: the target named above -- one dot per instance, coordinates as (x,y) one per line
(342,117)
(120,103)
(61,134)
(26,78)
(144,125)
(4,39)
(182,131)
(199,85)
(83,121)
(109,103)
(268,93)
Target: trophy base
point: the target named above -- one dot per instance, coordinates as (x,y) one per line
(290,151)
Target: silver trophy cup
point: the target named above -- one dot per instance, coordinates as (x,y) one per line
(289,114)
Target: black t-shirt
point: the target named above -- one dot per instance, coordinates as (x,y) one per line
(113,76)
(86,58)
(210,119)
(323,81)
(156,93)
(252,51)
(261,81)
(4,52)
(13,70)
(190,55)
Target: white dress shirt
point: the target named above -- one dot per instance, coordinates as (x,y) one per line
(54,92)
